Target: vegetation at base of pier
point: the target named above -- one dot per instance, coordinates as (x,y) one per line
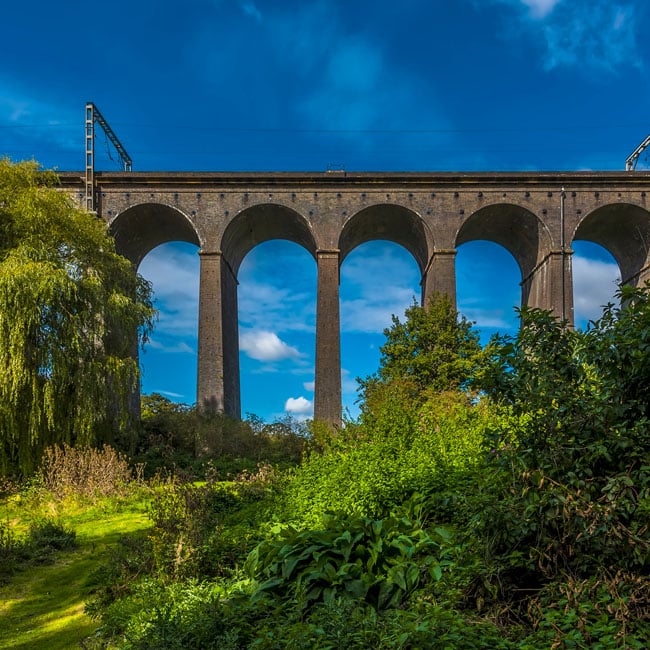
(486,497)
(510,511)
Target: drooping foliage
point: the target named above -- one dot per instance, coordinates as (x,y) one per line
(70,308)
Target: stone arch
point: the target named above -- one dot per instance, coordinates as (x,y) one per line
(260,223)
(140,228)
(512,226)
(623,229)
(527,239)
(392,223)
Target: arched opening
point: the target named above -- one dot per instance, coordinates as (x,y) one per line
(271,332)
(385,249)
(168,362)
(624,231)
(141,228)
(378,279)
(277,321)
(162,243)
(596,277)
(525,237)
(488,287)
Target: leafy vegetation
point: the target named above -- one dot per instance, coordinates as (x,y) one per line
(70,308)
(487,497)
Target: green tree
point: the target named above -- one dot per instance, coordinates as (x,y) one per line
(433,349)
(70,308)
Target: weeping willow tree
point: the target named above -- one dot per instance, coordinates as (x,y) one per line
(70,307)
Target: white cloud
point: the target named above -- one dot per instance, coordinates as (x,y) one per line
(266,346)
(595,283)
(299,406)
(540,8)
(309,385)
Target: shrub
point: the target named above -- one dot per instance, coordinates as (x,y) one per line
(202,531)
(379,561)
(179,438)
(374,467)
(84,471)
(43,540)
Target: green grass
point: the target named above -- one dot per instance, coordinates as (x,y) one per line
(42,607)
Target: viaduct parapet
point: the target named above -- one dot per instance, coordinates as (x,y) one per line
(535,216)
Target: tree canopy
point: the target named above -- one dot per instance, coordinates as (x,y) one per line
(434,349)
(70,311)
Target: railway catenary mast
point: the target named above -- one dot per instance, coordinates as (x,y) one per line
(94,115)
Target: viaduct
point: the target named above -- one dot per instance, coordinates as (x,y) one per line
(535,216)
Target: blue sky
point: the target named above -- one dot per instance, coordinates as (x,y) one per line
(267,85)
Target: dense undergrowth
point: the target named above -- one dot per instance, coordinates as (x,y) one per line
(503,502)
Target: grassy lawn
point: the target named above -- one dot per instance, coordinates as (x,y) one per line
(42,607)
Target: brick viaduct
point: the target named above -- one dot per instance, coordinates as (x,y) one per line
(535,216)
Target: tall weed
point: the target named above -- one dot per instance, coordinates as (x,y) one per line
(86,471)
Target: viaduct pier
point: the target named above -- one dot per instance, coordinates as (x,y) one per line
(535,216)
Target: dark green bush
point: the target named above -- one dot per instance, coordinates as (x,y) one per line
(379,561)
(177,438)
(41,544)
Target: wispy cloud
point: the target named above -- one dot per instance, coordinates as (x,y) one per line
(540,8)
(37,128)
(484,317)
(273,298)
(594,34)
(349,385)
(174,272)
(176,347)
(347,81)
(599,34)
(380,282)
(595,283)
(250,9)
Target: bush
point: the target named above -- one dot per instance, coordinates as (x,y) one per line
(179,438)
(42,542)
(84,471)
(377,561)
(413,450)
(202,531)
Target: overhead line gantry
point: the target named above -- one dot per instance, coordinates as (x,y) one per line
(94,115)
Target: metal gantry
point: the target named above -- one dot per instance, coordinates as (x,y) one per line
(94,115)
(630,163)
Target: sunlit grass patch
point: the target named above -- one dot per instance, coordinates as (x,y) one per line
(43,606)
